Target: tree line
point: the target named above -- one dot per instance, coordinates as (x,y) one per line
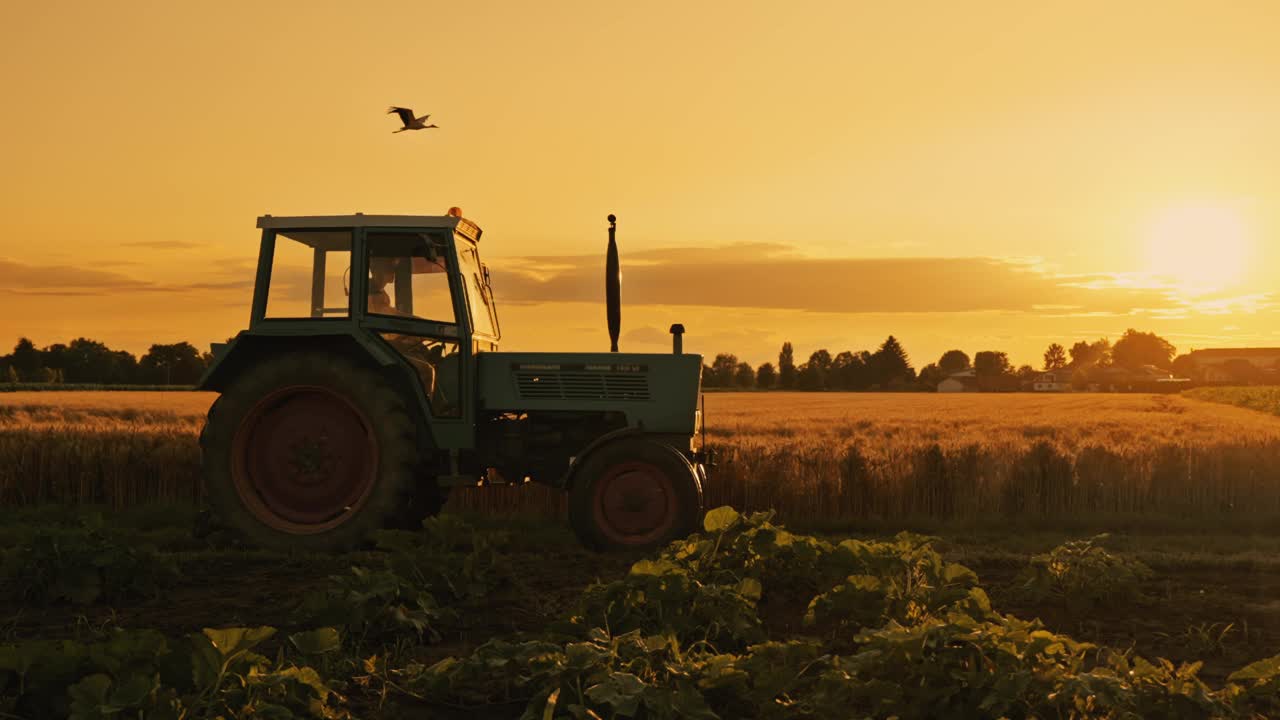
(889,367)
(85,361)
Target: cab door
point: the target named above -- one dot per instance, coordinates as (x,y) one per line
(411,297)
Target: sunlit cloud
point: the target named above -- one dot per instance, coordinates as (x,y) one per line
(24,278)
(162,244)
(776,277)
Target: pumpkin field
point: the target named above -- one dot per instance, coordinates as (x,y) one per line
(865,556)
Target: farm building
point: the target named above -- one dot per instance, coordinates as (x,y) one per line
(963,381)
(1147,378)
(1233,365)
(1058,380)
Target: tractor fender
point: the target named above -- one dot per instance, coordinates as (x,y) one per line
(570,475)
(247,348)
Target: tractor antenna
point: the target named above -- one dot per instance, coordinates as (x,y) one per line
(613,287)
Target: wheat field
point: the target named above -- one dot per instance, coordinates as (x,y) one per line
(811,456)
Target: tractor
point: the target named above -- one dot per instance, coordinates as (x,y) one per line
(369,384)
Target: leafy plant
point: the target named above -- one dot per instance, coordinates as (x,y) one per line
(660,596)
(628,675)
(84,566)
(213,674)
(374,603)
(426,576)
(904,580)
(1083,575)
(1256,687)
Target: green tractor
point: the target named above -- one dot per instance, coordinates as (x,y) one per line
(369,384)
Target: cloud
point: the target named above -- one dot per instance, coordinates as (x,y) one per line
(648,335)
(46,279)
(162,244)
(772,276)
(226,285)
(71,281)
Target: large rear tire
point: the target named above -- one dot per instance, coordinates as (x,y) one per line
(634,494)
(309,451)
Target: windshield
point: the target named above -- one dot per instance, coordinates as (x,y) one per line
(484,316)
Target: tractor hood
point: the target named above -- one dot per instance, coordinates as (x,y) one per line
(657,392)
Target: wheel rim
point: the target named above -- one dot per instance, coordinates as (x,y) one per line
(634,503)
(304,459)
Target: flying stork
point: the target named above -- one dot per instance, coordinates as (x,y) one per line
(410,122)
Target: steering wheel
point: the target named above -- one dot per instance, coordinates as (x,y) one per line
(433,349)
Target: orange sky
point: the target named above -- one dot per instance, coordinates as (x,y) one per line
(982,175)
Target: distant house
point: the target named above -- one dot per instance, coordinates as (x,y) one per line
(1147,378)
(1233,365)
(963,381)
(1053,381)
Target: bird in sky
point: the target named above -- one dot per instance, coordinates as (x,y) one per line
(410,122)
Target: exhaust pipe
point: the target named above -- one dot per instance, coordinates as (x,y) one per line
(613,288)
(677,339)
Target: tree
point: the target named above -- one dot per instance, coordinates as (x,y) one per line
(723,369)
(1136,349)
(813,374)
(810,377)
(891,363)
(766,376)
(55,356)
(177,364)
(1026,375)
(952,362)
(786,367)
(88,361)
(991,364)
(124,367)
(1094,353)
(1055,358)
(745,377)
(11,375)
(931,375)
(708,376)
(1185,367)
(26,360)
(849,371)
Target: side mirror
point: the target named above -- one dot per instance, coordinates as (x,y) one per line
(484,270)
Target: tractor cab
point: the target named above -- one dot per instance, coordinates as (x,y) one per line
(414,283)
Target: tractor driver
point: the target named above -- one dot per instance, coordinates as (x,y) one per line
(424,357)
(382,272)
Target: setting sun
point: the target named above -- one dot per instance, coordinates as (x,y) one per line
(1199,248)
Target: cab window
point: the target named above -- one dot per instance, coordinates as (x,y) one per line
(309,274)
(409,277)
(479,297)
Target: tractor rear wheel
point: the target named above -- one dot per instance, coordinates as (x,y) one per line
(309,451)
(634,494)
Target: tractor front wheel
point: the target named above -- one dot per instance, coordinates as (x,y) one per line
(309,451)
(634,494)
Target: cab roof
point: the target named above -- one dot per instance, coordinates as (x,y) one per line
(300,222)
